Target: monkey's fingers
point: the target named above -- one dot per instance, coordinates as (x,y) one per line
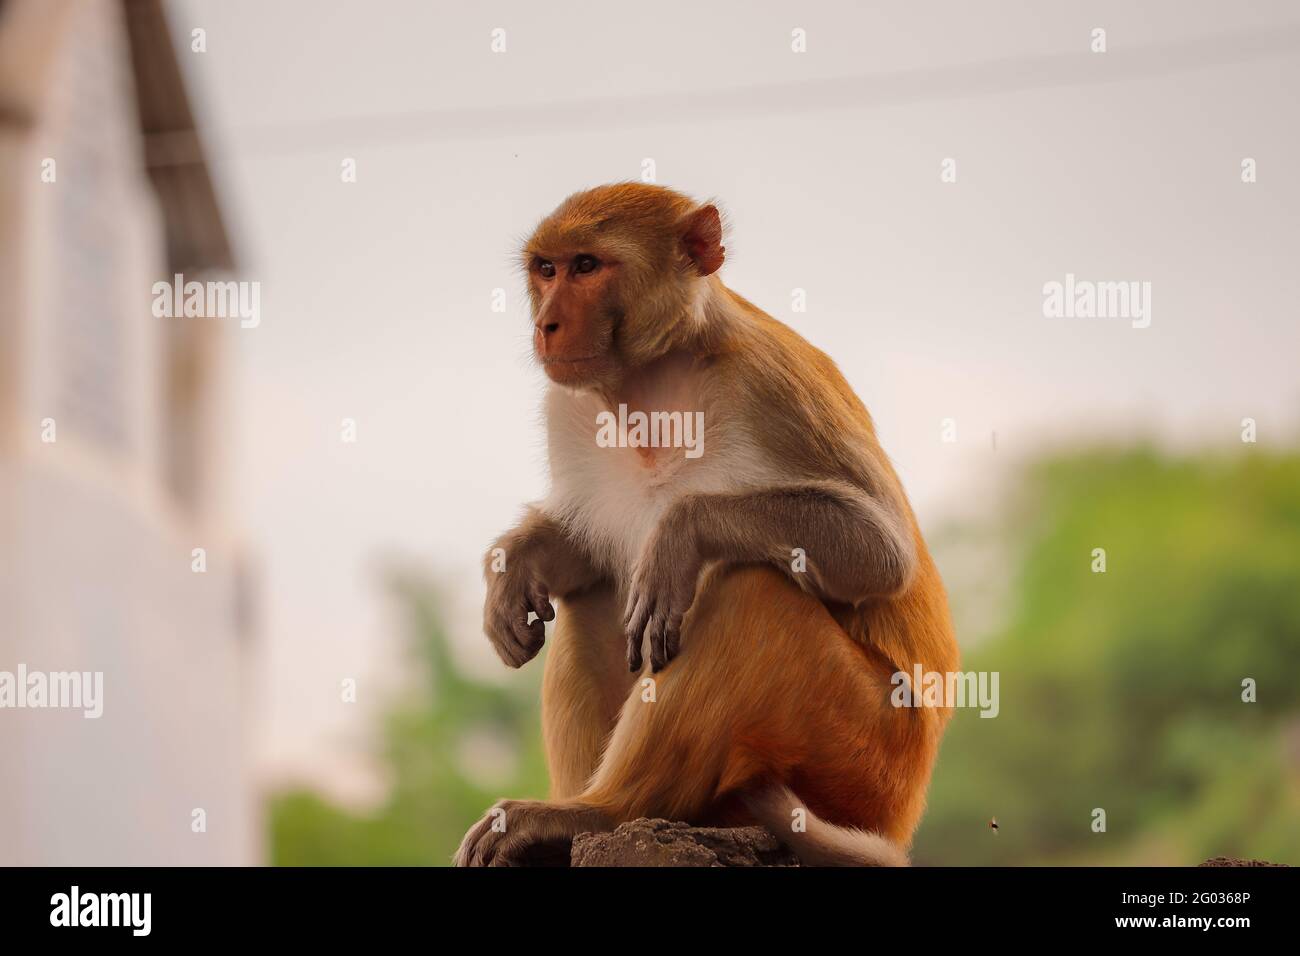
(634,628)
(500,632)
(539,602)
(633,605)
(668,641)
(657,631)
(512,638)
(531,637)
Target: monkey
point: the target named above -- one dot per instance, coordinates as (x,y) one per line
(781,572)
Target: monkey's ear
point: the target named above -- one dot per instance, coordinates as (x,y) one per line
(702,239)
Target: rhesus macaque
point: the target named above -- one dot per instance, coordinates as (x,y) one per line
(780,572)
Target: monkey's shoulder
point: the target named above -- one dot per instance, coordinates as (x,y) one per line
(794,400)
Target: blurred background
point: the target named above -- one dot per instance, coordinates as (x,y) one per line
(320,688)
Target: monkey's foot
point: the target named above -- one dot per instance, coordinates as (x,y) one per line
(516,832)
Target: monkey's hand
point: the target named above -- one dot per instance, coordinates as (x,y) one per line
(662,591)
(511,595)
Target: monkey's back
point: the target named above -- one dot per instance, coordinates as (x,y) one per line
(818,427)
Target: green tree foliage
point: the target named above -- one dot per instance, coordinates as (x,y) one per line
(1123,690)
(433,799)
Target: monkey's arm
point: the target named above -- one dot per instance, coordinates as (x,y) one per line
(524,569)
(856,547)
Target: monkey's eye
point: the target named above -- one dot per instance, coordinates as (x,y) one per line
(547,268)
(585,263)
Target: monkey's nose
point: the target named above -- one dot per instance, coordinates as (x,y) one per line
(546,335)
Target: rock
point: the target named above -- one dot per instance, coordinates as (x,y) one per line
(666,843)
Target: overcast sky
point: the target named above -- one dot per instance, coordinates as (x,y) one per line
(1119,166)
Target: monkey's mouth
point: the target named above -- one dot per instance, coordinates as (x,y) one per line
(568,360)
(572,369)
(569,364)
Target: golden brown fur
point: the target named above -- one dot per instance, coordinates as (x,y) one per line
(768,697)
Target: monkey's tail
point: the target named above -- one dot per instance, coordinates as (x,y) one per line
(813,840)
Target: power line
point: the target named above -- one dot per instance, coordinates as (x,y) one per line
(848,93)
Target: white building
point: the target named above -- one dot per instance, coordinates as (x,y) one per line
(103,191)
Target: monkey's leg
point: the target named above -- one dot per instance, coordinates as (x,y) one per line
(768,690)
(585,683)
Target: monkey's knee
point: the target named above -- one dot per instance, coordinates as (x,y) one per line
(756,613)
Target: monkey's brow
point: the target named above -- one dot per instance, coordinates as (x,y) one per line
(542,255)
(560,253)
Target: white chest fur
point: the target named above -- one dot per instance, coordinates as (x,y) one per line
(611,497)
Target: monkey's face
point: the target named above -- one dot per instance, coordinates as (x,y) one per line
(612,275)
(575,314)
